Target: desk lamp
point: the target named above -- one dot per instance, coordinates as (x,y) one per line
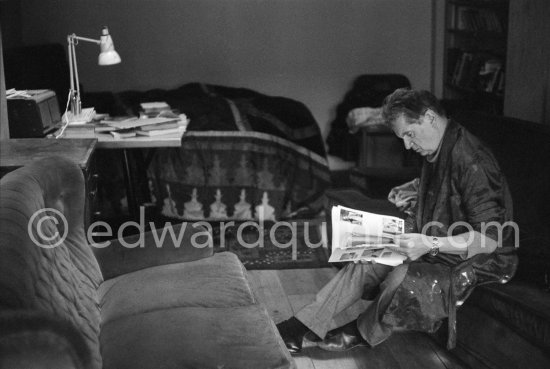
(107,56)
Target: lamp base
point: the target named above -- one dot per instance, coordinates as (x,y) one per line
(86,115)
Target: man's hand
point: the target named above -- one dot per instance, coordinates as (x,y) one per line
(404,197)
(413,245)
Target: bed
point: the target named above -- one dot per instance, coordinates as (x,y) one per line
(245,156)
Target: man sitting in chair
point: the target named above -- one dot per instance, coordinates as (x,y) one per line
(458,239)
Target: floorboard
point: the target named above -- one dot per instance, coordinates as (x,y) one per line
(284,292)
(270,292)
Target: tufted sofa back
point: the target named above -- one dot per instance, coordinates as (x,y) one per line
(61,276)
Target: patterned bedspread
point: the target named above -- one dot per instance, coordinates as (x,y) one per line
(236,175)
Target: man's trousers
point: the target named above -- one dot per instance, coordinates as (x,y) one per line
(346,288)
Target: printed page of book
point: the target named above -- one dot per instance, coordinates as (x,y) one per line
(378,255)
(359,235)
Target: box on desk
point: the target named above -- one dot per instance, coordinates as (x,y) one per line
(33,115)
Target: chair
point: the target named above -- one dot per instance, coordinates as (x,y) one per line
(382,161)
(367,90)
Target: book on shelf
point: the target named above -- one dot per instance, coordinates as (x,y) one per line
(477,20)
(363,236)
(475,71)
(490,75)
(462,69)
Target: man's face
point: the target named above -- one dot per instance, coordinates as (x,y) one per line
(420,136)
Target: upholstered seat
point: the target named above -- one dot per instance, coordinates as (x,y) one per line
(171,305)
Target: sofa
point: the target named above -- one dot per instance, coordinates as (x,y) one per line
(503,325)
(136,302)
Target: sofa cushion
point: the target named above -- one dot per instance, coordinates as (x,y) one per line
(188,242)
(217,281)
(195,337)
(523,308)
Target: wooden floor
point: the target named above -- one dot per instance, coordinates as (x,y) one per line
(283,292)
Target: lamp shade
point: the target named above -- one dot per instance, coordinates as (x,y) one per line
(108,55)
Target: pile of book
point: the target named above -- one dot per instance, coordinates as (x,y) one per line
(126,127)
(157,126)
(156,119)
(478,20)
(154,109)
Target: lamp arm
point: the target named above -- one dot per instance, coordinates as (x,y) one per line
(75,37)
(76,80)
(74,95)
(71,61)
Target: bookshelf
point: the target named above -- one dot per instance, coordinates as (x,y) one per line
(475,53)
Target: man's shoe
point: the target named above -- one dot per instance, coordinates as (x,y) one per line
(292,332)
(293,344)
(341,341)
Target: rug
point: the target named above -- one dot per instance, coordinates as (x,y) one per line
(281,245)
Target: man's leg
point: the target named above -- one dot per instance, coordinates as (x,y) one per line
(368,328)
(341,292)
(370,322)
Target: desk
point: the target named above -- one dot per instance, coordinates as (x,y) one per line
(107,141)
(18,152)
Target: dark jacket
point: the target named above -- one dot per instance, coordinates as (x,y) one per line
(463,186)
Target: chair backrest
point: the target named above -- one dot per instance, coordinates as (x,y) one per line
(367,90)
(46,264)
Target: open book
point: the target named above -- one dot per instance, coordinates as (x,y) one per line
(359,235)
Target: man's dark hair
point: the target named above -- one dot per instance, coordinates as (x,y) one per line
(411,103)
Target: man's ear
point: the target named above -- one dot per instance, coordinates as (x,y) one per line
(429,115)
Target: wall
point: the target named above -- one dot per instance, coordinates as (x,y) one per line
(309,50)
(527,94)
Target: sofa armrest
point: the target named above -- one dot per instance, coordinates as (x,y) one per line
(186,243)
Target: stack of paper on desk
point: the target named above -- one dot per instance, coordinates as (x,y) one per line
(157,126)
(153,109)
(143,122)
(167,128)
